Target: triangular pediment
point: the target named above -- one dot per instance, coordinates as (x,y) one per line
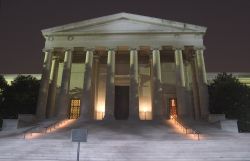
(125,23)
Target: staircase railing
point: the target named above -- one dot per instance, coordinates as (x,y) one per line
(185,130)
(44,129)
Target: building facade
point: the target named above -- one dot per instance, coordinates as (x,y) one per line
(123,66)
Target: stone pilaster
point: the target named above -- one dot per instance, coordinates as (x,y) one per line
(180,83)
(195,89)
(63,100)
(202,65)
(133,88)
(53,88)
(110,86)
(86,99)
(44,86)
(156,83)
(95,84)
(202,84)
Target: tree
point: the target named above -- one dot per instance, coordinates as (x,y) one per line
(3,86)
(21,96)
(227,95)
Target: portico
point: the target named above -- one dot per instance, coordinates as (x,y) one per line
(155,60)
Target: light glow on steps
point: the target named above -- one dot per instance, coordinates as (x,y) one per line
(50,129)
(181,129)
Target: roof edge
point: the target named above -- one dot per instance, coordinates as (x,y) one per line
(112,17)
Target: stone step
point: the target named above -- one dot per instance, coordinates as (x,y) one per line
(123,141)
(123,150)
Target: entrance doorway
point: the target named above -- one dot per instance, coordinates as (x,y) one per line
(173,108)
(121,102)
(74,108)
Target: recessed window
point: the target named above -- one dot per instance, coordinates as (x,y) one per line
(75,108)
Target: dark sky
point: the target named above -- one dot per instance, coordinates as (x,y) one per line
(227,39)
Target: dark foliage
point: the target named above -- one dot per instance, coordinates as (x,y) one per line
(3,87)
(20,97)
(227,95)
(1,123)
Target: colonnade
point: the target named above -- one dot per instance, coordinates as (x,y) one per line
(61,109)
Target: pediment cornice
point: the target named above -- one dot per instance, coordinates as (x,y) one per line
(124,23)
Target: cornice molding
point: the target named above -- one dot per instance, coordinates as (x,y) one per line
(125,16)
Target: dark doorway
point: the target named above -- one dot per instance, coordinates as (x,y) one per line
(121,102)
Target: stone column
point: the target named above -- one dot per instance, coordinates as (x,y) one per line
(95,84)
(63,100)
(157,89)
(195,89)
(53,88)
(202,83)
(110,86)
(180,83)
(86,99)
(44,86)
(202,65)
(133,88)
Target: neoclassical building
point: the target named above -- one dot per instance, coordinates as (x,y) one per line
(123,66)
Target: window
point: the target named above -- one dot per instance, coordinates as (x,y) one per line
(74,108)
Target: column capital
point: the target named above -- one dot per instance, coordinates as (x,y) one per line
(155,48)
(178,51)
(200,48)
(89,49)
(155,51)
(55,57)
(133,49)
(96,57)
(68,49)
(178,48)
(111,49)
(198,52)
(47,50)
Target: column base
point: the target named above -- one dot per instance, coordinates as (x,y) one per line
(108,117)
(40,118)
(158,118)
(134,118)
(86,116)
(82,118)
(62,117)
(204,117)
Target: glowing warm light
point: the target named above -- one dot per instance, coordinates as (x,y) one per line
(145,109)
(100,115)
(145,114)
(75,108)
(179,128)
(100,108)
(52,128)
(173,107)
(100,111)
(173,103)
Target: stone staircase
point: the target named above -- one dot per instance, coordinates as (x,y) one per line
(125,140)
(120,130)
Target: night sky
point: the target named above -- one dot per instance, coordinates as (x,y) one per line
(227,40)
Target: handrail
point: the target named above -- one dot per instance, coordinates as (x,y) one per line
(44,129)
(185,129)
